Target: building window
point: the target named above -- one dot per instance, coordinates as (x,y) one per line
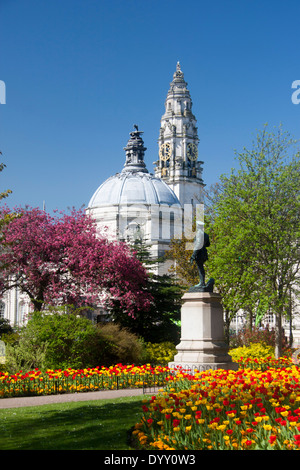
(269,319)
(171,225)
(2,309)
(160,225)
(22,312)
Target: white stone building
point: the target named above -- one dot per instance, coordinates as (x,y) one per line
(136,203)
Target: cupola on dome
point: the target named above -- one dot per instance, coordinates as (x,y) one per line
(134,185)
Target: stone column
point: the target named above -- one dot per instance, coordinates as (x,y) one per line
(202,345)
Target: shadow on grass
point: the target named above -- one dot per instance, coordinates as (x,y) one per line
(94,425)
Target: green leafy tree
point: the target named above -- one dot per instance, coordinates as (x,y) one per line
(255,228)
(180,254)
(228,273)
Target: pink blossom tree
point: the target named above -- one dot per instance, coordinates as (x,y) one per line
(62,259)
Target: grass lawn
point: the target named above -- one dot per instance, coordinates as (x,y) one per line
(91,425)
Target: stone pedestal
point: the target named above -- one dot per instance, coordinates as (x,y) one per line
(202,345)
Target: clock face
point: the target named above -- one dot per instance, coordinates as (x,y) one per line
(192,151)
(165,151)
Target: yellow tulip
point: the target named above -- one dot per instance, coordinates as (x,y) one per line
(267,427)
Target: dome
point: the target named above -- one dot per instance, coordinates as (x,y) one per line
(134,185)
(133,188)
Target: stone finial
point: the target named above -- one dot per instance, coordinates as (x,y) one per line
(178,76)
(135,151)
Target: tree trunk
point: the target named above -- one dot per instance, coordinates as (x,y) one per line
(227,327)
(291,338)
(37,304)
(250,318)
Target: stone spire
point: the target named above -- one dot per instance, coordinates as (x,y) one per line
(178,78)
(178,140)
(135,152)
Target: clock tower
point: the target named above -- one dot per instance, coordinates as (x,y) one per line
(178,163)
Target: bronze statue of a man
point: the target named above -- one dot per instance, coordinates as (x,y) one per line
(200,256)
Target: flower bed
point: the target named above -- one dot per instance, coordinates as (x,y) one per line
(244,409)
(260,356)
(263,363)
(70,380)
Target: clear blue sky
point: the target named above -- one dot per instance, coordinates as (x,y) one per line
(80,73)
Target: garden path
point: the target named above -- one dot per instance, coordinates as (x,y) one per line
(18,402)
